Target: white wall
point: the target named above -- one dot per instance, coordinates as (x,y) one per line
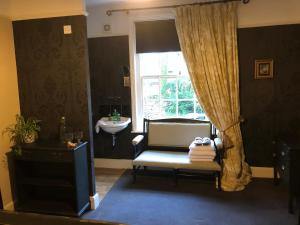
(254,14)
(31,9)
(269,12)
(9,101)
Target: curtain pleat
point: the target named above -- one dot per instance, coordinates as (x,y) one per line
(208,40)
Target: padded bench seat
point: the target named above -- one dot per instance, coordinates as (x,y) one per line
(173,160)
(165,144)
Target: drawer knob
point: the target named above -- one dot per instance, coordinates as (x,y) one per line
(283,153)
(282,167)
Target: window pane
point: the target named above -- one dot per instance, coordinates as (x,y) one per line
(185,108)
(199,109)
(151,106)
(182,65)
(169,108)
(150,90)
(149,64)
(160,64)
(176,64)
(152,111)
(185,89)
(168,88)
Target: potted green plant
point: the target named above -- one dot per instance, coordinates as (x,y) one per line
(23,131)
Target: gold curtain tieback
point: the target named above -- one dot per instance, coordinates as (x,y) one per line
(227,142)
(240,120)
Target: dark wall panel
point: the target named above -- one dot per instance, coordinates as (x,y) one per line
(271,107)
(53,73)
(53,76)
(108,56)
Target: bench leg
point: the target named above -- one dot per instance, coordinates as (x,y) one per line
(175,172)
(291,204)
(134,174)
(218,176)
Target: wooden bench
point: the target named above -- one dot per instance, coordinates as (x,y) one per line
(165,144)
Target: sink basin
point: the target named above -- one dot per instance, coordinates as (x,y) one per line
(110,126)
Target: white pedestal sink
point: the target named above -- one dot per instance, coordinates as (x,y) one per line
(111,126)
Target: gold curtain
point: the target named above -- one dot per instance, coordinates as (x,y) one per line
(208,40)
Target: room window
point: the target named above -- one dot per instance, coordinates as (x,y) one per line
(165,87)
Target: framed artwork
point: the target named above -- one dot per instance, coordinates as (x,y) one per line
(263,69)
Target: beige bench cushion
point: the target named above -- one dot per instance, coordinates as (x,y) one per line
(176,134)
(173,160)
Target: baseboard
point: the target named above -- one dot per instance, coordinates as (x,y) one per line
(262,172)
(113,163)
(95,201)
(258,172)
(9,206)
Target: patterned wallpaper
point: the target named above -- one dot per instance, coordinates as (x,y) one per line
(53,77)
(53,72)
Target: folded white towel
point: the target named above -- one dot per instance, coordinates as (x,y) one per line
(193,146)
(201,160)
(202,152)
(202,157)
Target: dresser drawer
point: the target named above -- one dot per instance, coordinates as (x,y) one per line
(51,155)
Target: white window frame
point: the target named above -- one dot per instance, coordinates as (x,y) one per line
(136,86)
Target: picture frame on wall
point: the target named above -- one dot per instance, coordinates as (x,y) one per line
(263,69)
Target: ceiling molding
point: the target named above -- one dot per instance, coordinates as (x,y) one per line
(48,15)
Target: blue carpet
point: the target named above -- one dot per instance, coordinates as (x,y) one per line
(155,201)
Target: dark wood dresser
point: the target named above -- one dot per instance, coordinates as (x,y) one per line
(287,165)
(50,178)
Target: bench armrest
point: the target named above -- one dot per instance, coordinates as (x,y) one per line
(137,140)
(218,143)
(138,145)
(219,150)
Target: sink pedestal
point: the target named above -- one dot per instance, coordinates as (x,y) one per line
(114,137)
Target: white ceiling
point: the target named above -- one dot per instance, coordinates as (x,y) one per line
(90,3)
(102,2)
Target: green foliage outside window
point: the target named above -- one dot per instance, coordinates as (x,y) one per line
(185,89)
(170,108)
(167,89)
(185,107)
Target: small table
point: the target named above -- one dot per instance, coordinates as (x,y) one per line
(287,165)
(50,178)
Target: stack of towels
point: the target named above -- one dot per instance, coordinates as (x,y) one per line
(202,152)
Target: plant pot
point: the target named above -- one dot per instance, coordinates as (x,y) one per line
(30,138)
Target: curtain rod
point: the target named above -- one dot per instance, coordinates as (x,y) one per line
(111,11)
